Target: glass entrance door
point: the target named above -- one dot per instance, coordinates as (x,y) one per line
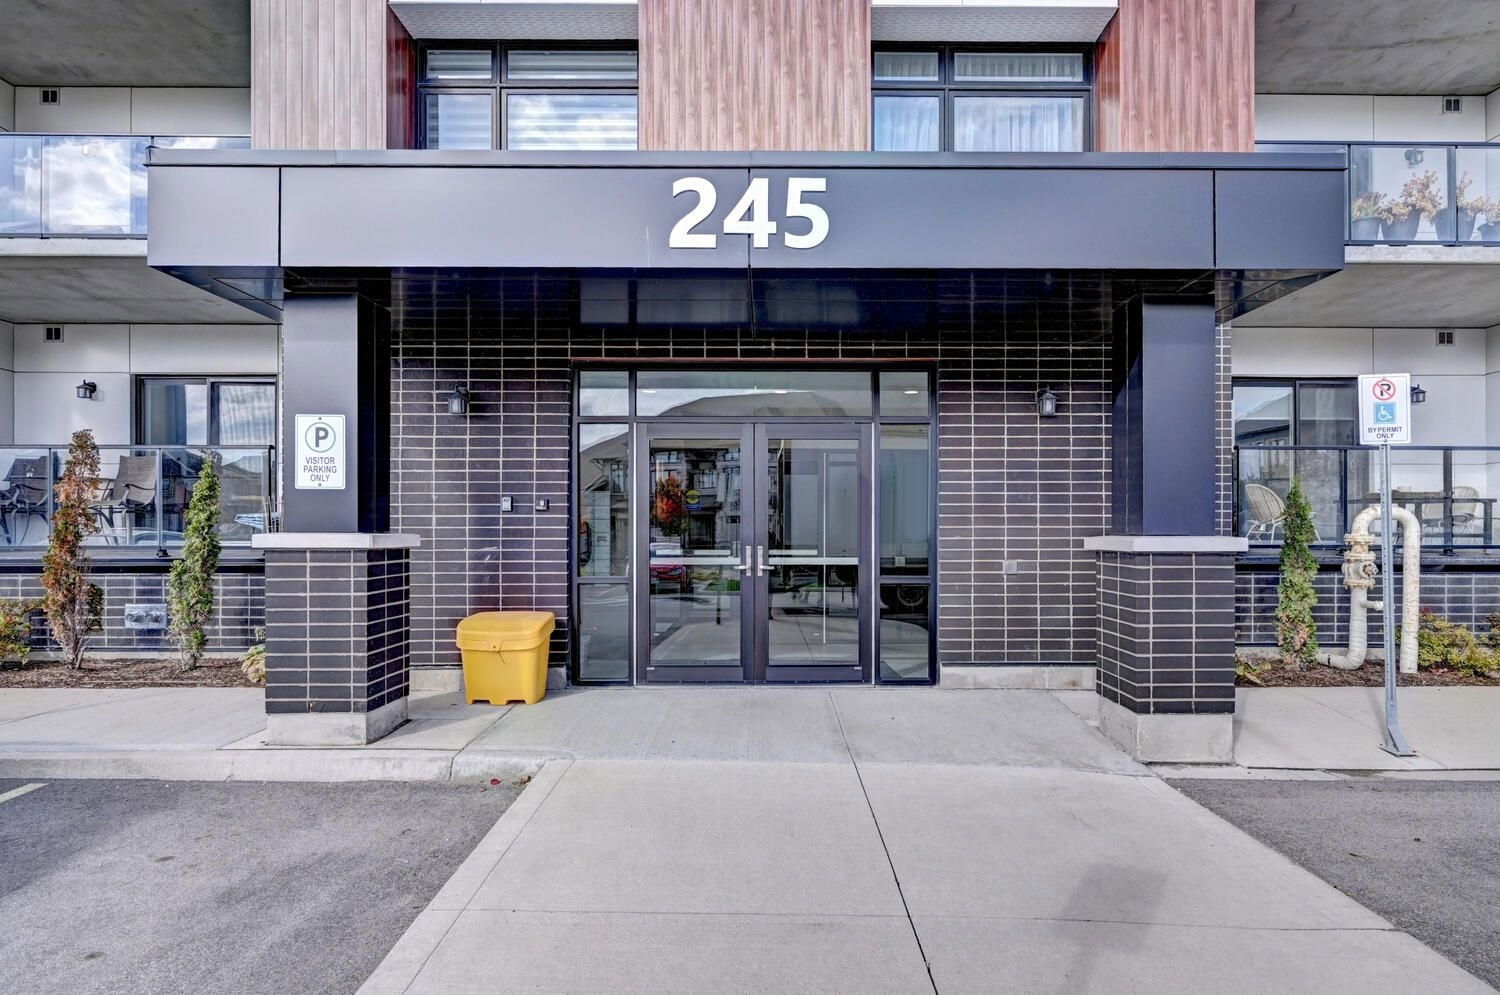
(810,580)
(756,548)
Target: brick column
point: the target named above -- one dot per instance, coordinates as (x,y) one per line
(1165,672)
(1166,645)
(337,668)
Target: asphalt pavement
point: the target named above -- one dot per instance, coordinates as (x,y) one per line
(1420,853)
(242,887)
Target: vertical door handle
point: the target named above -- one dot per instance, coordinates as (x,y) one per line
(747,565)
(760,555)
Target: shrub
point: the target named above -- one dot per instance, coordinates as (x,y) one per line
(1441,643)
(73,605)
(1296,632)
(254,664)
(190,586)
(15,630)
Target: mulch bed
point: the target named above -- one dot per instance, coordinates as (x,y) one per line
(124,674)
(1371,675)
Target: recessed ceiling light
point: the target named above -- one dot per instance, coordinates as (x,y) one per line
(911,392)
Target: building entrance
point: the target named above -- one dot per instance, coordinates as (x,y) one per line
(754,526)
(758,546)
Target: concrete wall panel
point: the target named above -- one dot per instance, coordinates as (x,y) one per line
(1300,117)
(7,106)
(94,348)
(79,110)
(48,412)
(189,111)
(1402,119)
(204,349)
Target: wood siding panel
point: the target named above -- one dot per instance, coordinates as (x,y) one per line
(319,75)
(1177,76)
(736,75)
(401,85)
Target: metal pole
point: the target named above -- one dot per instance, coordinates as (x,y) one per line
(1395,743)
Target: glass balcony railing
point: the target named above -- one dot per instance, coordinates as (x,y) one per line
(1452,491)
(1416,193)
(141,501)
(71,186)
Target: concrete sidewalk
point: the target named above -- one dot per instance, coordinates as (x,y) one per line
(868,853)
(1340,729)
(218,734)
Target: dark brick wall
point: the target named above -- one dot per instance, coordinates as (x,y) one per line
(1012,487)
(1461,595)
(1166,637)
(338,629)
(239,611)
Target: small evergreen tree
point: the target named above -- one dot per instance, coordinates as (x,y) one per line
(73,605)
(190,587)
(1296,632)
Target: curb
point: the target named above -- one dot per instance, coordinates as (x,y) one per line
(401,965)
(305,765)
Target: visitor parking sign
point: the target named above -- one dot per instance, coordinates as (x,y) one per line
(1385,409)
(320,452)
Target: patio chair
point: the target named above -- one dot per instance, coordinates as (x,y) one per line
(24,498)
(1468,516)
(132,491)
(1267,512)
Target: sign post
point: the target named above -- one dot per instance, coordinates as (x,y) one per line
(1385,420)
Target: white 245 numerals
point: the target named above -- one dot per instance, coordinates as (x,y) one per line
(752,215)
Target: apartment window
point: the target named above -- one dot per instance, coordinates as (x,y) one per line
(966,98)
(1295,413)
(527,96)
(204,411)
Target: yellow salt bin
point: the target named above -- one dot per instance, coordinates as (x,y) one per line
(505,656)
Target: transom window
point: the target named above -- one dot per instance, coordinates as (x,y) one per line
(970,99)
(527,96)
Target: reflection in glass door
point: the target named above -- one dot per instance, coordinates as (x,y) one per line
(814,515)
(694,554)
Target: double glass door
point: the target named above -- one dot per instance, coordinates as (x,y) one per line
(755,539)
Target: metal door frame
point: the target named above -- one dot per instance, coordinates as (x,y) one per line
(641,547)
(862,434)
(754,539)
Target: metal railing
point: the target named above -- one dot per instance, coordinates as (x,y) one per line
(1416,193)
(141,501)
(1452,490)
(81,186)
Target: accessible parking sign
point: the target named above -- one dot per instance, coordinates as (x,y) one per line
(1385,409)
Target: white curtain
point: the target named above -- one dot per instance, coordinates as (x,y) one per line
(906,123)
(1017,124)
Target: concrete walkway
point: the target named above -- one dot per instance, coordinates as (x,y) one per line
(1340,729)
(872,841)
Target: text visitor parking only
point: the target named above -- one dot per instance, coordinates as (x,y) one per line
(1385,409)
(320,452)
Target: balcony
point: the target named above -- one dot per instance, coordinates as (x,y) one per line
(81,186)
(1452,491)
(1416,193)
(143,492)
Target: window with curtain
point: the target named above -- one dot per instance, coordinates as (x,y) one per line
(965,99)
(485,95)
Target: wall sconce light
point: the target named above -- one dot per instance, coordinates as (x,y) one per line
(1414,157)
(86,390)
(1046,403)
(1418,395)
(458,401)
